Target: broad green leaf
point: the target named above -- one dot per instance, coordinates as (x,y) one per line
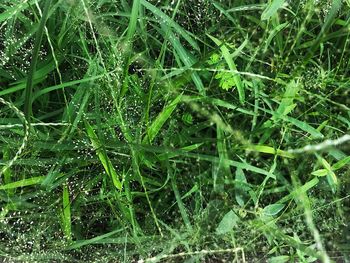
(15,9)
(158,123)
(273,33)
(322,125)
(97,239)
(320,172)
(194,189)
(315,134)
(240,176)
(223,168)
(325,164)
(170,154)
(279,259)
(28,92)
(228,222)
(272,9)
(289,109)
(332,181)
(227,105)
(66,84)
(243,165)
(273,209)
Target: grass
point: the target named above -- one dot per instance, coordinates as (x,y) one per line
(174,131)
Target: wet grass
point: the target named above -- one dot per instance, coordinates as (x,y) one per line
(174,131)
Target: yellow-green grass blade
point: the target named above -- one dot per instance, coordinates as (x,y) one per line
(331,176)
(23,183)
(269,150)
(302,189)
(272,9)
(66,214)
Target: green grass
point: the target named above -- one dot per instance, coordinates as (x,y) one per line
(174,131)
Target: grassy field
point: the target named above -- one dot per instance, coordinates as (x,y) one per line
(174,131)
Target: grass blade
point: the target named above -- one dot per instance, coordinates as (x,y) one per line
(97,239)
(269,150)
(35,55)
(170,22)
(10,12)
(185,57)
(158,123)
(272,9)
(102,155)
(232,66)
(133,19)
(23,183)
(66,214)
(286,105)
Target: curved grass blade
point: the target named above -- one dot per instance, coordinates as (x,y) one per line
(35,55)
(133,19)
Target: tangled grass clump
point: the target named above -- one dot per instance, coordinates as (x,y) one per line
(174,131)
